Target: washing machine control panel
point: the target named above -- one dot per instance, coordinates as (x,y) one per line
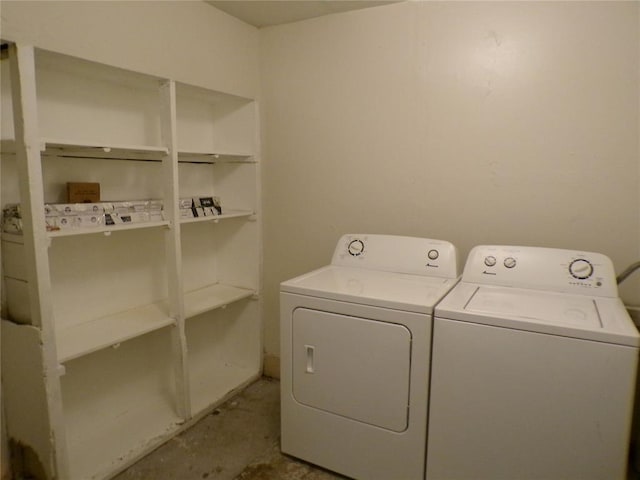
(412,255)
(550,269)
(581,268)
(356,247)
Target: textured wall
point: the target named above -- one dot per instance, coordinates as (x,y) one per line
(506,122)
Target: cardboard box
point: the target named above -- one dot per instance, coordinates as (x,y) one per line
(83,192)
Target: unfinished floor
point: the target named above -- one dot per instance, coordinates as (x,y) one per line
(239,440)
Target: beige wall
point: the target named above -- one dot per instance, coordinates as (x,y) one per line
(505,122)
(185,40)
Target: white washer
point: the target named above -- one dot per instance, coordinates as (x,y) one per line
(533,369)
(355,348)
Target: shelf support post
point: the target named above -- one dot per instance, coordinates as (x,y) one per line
(25,118)
(173,245)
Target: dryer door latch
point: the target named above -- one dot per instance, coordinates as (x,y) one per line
(310,354)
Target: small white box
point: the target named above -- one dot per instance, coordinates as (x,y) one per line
(89,221)
(217,204)
(205,202)
(12,225)
(65,222)
(122,207)
(155,205)
(51,224)
(139,205)
(66,208)
(50,210)
(134,217)
(156,216)
(89,208)
(111,218)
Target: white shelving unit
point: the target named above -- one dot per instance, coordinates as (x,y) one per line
(123,335)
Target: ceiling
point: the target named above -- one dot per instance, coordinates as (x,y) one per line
(263,13)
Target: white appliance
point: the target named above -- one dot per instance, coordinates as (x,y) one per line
(533,369)
(355,348)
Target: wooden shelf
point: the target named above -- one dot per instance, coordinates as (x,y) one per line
(61,148)
(64,148)
(212,297)
(106,230)
(208,157)
(88,337)
(76,149)
(216,218)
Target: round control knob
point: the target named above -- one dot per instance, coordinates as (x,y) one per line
(356,248)
(490,261)
(509,262)
(433,254)
(581,269)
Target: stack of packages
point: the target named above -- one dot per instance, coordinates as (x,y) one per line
(12,219)
(197,207)
(87,215)
(62,216)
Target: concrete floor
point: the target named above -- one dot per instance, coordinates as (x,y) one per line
(240,440)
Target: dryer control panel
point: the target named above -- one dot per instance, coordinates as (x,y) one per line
(551,269)
(392,253)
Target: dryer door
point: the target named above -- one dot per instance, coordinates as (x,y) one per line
(352,367)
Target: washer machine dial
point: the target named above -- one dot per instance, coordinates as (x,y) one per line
(510,262)
(490,261)
(355,248)
(581,269)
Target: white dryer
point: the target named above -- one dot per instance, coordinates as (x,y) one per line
(533,369)
(355,348)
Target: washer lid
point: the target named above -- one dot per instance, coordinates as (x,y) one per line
(541,307)
(601,319)
(398,291)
